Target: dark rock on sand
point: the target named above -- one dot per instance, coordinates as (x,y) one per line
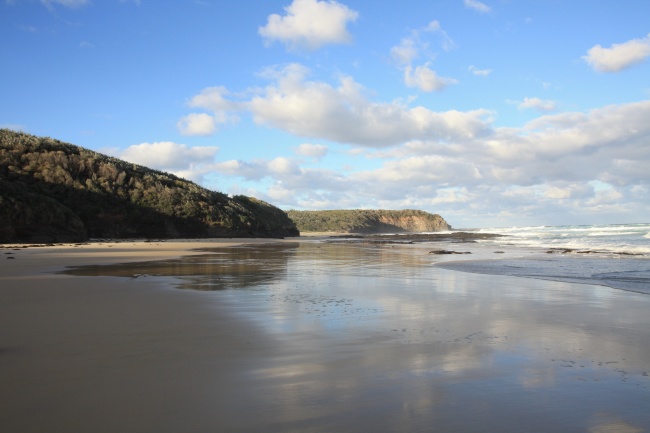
(410,238)
(448,252)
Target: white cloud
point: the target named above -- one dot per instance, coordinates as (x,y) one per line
(551,167)
(557,193)
(605,197)
(618,56)
(310,24)
(426,79)
(343,113)
(405,52)
(480,72)
(477,6)
(197,124)
(179,159)
(312,150)
(415,46)
(446,42)
(283,166)
(537,104)
(212,99)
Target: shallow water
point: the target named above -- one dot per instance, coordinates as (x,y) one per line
(379,338)
(623,273)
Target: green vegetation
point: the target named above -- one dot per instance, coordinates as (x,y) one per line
(52,191)
(367,221)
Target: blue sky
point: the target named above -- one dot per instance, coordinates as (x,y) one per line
(491,113)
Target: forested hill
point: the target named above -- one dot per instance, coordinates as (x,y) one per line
(57,192)
(368,221)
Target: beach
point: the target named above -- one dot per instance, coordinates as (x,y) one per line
(296,335)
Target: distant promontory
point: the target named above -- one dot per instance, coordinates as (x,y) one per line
(52,191)
(367,221)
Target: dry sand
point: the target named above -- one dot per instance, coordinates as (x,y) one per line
(330,348)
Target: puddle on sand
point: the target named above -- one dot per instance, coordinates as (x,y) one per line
(240,267)
(249,266)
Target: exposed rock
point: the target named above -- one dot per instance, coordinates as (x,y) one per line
(453,237)
(448,252)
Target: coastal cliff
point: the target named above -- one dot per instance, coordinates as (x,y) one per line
(52,191)
(368,221)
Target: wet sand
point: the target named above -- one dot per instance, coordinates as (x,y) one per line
(302,336)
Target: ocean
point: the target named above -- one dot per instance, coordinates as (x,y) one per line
(615,255)
(612,238)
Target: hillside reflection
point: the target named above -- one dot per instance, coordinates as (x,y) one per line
(248,266)
(219,269)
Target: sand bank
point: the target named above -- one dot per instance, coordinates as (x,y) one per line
(344,338)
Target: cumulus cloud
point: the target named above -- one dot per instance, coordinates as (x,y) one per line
(592,163)
(618,56)
(283,166)
(405,52)
(310,24)
(477,6)
(212,99)
(197,124)
(343,113)
(426,79)
(312,150)
(179,159)
(537,104)
(280,167)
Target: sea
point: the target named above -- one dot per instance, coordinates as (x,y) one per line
(613,255)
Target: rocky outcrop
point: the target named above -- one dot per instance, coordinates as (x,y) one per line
(414,221)
(366,221)
(53,192)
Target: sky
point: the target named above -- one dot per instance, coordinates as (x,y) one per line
(490,113)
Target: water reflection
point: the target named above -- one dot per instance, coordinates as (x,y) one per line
(250,266)
(240,267)
(376,338)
